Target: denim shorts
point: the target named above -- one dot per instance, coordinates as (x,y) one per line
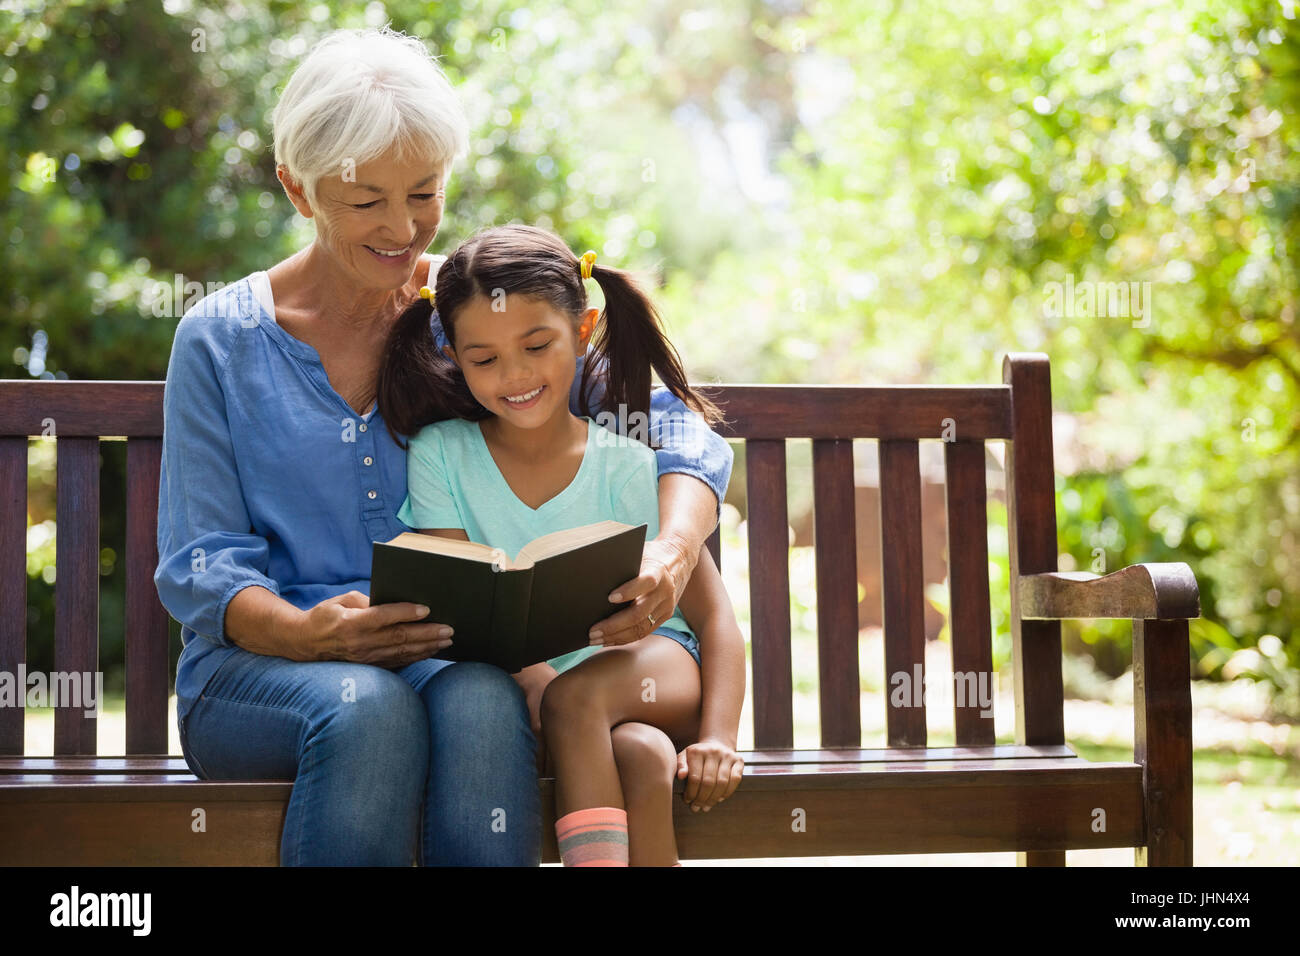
(687,641)
(571,660)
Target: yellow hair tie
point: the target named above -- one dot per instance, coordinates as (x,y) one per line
(586,261)
(427,293)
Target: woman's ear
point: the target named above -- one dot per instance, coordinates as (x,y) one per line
(293,189)
(450,352)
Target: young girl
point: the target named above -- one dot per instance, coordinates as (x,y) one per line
(505,461)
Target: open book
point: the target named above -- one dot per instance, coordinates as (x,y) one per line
(511,612)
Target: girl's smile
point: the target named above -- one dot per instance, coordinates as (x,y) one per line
(526,399)
(519,360)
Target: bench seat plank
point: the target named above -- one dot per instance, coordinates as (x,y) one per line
(781,810)
(164,764)
(138,786)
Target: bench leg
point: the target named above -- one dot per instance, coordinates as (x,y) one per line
(1162,740)
(1040,858)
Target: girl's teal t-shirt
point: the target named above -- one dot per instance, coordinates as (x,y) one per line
(453,482)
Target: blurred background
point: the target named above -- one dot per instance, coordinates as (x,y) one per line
(819,192)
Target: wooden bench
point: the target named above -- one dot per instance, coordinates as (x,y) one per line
(1036,797)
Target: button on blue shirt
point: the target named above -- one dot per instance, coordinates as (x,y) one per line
(270,478)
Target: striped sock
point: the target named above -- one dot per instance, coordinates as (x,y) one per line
(593,837)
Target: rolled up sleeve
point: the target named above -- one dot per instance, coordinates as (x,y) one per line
(688,445)
(207,550)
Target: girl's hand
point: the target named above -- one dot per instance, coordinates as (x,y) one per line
(533,680)
(666,569)
(712,770)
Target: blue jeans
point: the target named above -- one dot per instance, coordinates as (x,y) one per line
(367,749)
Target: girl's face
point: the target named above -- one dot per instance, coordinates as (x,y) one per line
(519,363)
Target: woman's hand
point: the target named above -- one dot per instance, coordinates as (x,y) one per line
(712,770)
(666,568)
(347,628)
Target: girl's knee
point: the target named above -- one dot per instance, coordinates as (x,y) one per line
(645,756)
(571,694)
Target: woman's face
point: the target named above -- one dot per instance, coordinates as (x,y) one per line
(527,352)
(369,212)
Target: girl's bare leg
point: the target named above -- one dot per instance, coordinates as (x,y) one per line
(652,681)
(647,766)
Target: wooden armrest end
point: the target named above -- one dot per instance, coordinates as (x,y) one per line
(1157,591)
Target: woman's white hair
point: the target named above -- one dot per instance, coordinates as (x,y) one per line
(360,94)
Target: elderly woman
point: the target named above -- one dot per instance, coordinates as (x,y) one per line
(278,476)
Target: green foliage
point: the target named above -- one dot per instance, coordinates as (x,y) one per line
(841,192)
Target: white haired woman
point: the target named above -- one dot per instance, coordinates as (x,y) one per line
(278,476)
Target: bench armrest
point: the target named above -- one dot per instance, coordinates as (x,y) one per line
(1159,591)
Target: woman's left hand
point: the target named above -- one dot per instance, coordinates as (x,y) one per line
(655,592)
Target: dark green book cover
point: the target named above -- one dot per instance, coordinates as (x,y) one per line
(510,617)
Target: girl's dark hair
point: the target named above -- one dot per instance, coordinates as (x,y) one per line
(419,385)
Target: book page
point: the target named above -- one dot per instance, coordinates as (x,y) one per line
(452,547)
(558,542)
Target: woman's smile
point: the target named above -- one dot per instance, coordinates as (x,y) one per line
(399,257)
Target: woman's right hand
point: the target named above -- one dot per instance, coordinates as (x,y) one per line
(347,628)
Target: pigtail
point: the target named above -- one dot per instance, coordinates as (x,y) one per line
(418,384)
(628,343)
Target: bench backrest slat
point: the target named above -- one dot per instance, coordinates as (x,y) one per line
(13,583)
(769,593)
(76,590)
(714,544)
(968,588)
(146,619)
(854,411)
(81,409)
(1032,544)
(837,592)
(903,589)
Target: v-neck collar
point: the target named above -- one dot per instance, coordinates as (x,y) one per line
(308,353)
(550,504)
